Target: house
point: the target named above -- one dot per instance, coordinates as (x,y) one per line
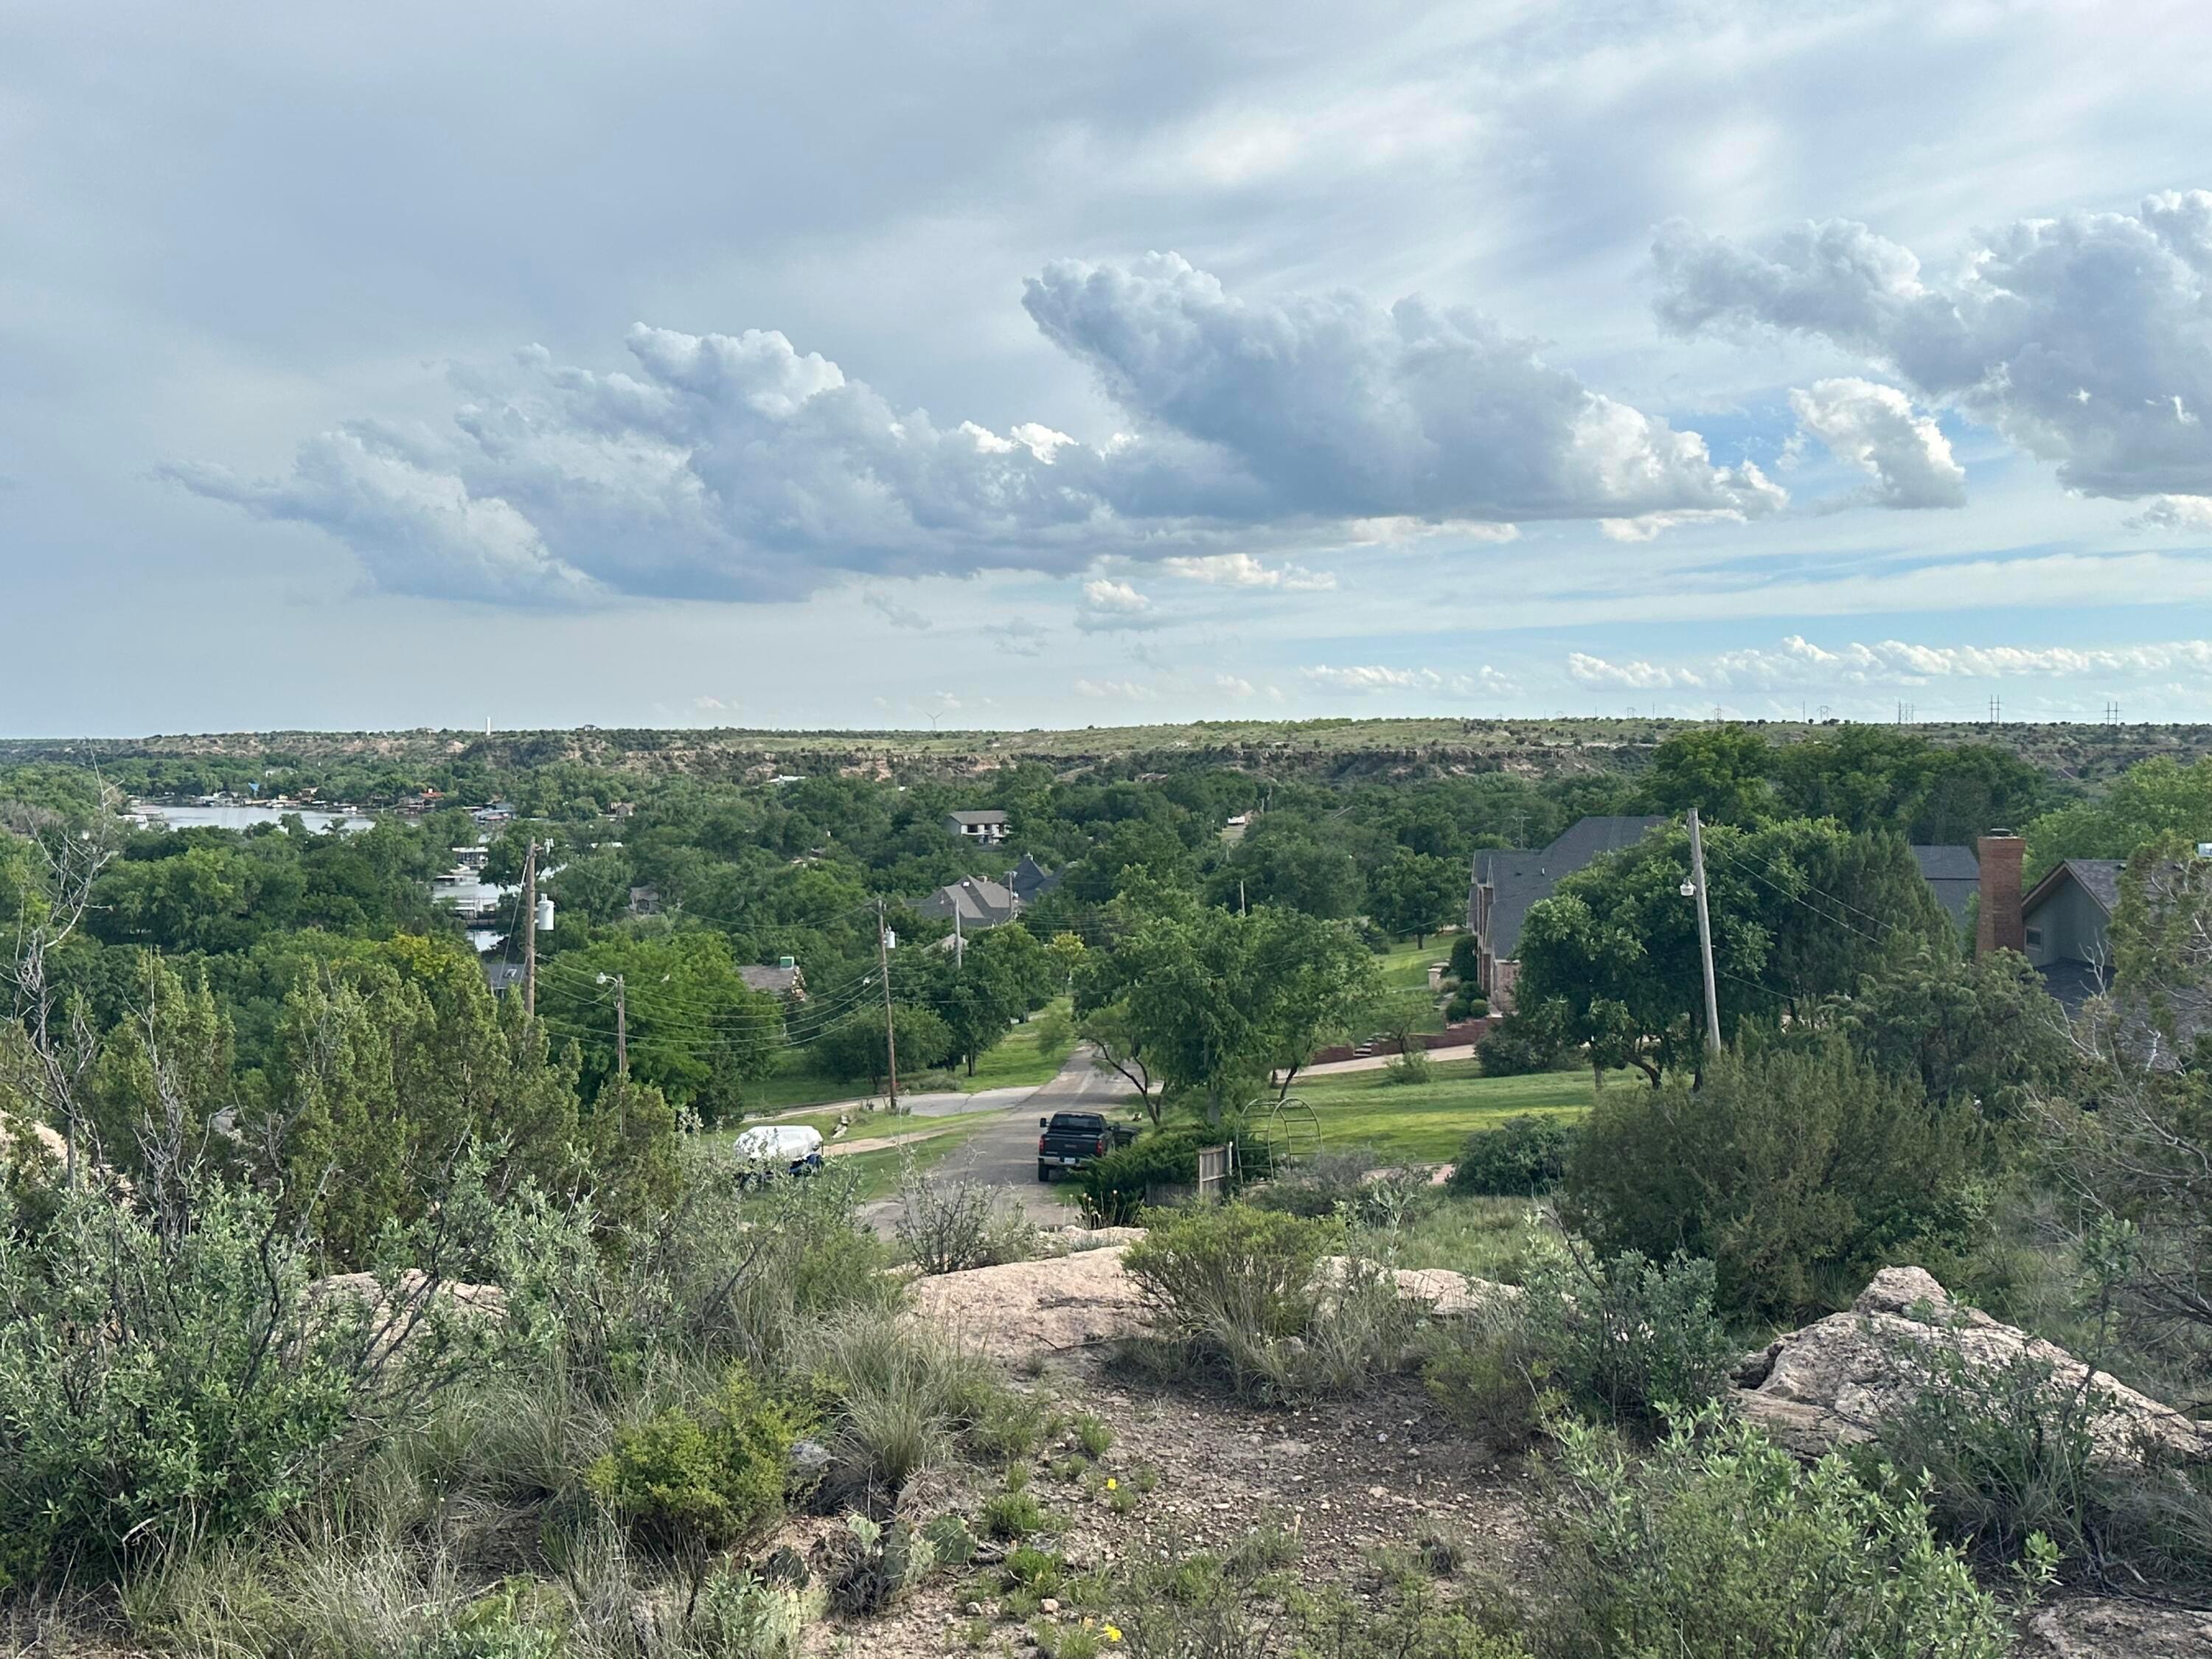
(645,900)
(2065,920)
(973,902)
(1029,881)
(1507,881)
(987,825)
(785,980)
(502,976)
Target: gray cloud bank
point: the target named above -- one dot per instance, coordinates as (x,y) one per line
(737,467)
(2087,339)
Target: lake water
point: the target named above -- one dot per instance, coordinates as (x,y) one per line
(159,817)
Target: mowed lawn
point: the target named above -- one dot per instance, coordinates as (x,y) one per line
(1022,1057)
(1425,1122)
(1405,968)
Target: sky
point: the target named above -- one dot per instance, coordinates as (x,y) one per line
(991,365)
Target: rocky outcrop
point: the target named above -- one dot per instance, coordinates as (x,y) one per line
(1023,1310)
(1026,1308)
(1835,1382)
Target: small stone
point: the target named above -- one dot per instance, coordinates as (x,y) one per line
(1050,1606)
(974,1609)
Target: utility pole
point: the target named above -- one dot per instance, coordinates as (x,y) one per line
(1704,934)
(621,1025)
(959,941)
(530,930)
(890,1029)
(1240,895)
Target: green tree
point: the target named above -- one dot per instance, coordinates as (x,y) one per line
(1796,1171)
(1212,1001)
(1415,893)
(1800,911)
(1982,1030)
(1280,863)
(161,1077)
(1719,769)
(997,978)
(696,1030)
(857,1046)
(2146,804)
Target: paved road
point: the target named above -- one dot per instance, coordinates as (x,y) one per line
(1003,1153)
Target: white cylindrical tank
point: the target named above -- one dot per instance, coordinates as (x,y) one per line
(545,915)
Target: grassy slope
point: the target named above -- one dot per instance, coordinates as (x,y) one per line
(1427,1122)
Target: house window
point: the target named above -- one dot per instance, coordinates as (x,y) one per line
(2035,936)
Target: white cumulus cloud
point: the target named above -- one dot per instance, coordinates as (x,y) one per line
(1110,606)
(1875,428)
(2086,339)
(738,466)
(1377,677)
(1243,570)
(2186,515)
(1331,405)
(1797,662)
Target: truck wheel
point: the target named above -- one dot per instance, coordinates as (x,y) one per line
(1044,1173)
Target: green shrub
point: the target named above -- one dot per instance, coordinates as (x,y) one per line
(900,1396)
(1344,1181)
(1796,1171)
(1012,1515)
(164,1381)
(1522,1158)
(1239,1290)
(1095,1435)
(1231,1268)
(2014,1466)
(1719,1545)
(1114,1187)
(1518,1045)
(702,1480)
(1410,1064)
(1624,1341)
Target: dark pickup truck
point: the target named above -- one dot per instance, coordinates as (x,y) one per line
(1072,1140)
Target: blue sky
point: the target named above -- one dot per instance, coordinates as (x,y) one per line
(1010,366)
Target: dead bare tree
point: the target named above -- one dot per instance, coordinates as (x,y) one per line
(47,1067)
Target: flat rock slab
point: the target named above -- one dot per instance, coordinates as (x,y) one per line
(1836,1382)
(1029,1308)
(1026,1308)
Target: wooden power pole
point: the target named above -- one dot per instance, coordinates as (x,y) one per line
(890,1028)
(621,1025)
(530,930)
(1704,934)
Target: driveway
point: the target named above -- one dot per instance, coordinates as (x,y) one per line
(1002,1154)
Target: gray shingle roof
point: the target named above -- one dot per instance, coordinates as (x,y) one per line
(1030,880)
(1954,874)
(976,900)
(984,816)
(1588,838)
(1519,879)
(777,982)
(2099,878)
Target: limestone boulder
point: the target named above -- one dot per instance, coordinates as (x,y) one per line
(1835,1382)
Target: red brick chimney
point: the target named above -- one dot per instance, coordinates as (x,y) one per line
(2001,927)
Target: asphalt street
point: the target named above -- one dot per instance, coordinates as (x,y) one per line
(1003,1153)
